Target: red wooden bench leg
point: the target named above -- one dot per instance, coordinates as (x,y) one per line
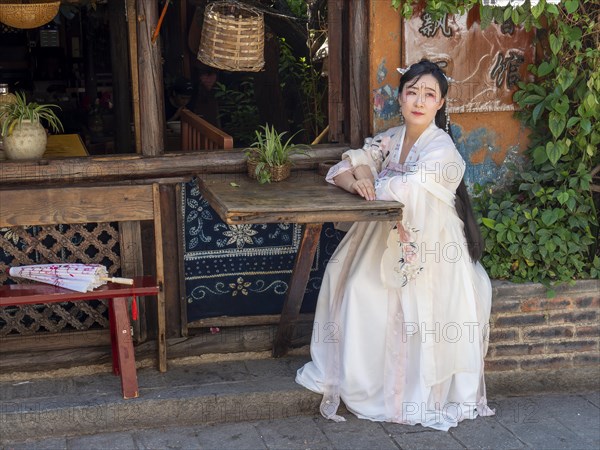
(113,337)
(123,343)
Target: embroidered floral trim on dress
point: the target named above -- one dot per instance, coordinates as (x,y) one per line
(407,267)
(400,262)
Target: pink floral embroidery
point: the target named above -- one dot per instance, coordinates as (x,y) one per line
(407,267)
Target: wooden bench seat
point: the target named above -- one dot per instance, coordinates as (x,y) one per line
(123,356)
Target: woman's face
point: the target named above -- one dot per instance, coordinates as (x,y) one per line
(420,101)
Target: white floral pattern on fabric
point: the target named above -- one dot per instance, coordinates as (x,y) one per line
(240,235)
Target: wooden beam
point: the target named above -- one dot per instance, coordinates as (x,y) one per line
(244,321)
(75,205)
(132,167)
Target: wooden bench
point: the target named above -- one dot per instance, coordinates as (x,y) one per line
(198,134)
(125,204)
(123,355)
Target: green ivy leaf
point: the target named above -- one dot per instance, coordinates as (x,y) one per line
(571,6)
(538,9)
(549,216)
(562,106)
(545,68)
(555,41)
(552,152)
(586,126)
(562,197)
(537,111)
(490,223)
(486,15)
(557,123)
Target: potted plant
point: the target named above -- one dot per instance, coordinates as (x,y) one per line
(269,156)
(23,135)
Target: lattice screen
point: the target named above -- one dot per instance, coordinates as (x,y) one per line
(95,243)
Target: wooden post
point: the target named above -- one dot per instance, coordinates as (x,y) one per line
(161,336)
(135,88)
(336,74)
(359,72)
(185,52)
(120,66)
(168,205)
(150,80)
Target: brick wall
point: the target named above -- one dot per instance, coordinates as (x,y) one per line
(530,332)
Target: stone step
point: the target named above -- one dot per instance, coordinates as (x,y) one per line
(244,387)
(191,394)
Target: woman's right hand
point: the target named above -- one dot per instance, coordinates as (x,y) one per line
(364,187)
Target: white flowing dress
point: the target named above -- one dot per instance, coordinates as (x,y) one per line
(401,328)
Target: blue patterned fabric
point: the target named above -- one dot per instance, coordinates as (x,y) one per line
(243,270)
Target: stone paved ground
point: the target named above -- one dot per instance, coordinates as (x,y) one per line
(255,404)
(549,421)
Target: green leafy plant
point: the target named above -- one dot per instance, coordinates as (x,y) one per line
(270,150)
(305,74)
(13,114)
(238,111)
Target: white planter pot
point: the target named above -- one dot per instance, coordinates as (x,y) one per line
(27,141)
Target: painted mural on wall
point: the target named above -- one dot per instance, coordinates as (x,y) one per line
(485,64)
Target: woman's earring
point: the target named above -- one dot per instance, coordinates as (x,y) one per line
(447,121)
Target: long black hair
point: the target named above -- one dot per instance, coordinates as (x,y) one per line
(462,201)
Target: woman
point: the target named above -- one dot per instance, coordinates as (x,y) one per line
(401,321)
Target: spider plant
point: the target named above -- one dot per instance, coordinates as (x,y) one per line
(271,150)
(13,114)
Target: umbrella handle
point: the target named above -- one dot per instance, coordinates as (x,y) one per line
(118,280)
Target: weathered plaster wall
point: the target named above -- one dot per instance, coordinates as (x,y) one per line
(384,58)
(487,141)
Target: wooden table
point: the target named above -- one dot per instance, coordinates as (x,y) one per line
(304,198)
(65,145)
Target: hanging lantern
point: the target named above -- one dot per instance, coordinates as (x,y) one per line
(25,14)
(233,37)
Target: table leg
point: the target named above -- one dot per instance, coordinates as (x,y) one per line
(125,351)
(293,300)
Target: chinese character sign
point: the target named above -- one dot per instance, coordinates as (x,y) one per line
(485,64)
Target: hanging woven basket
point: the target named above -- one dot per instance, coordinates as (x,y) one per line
(26,15)
(233,37)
